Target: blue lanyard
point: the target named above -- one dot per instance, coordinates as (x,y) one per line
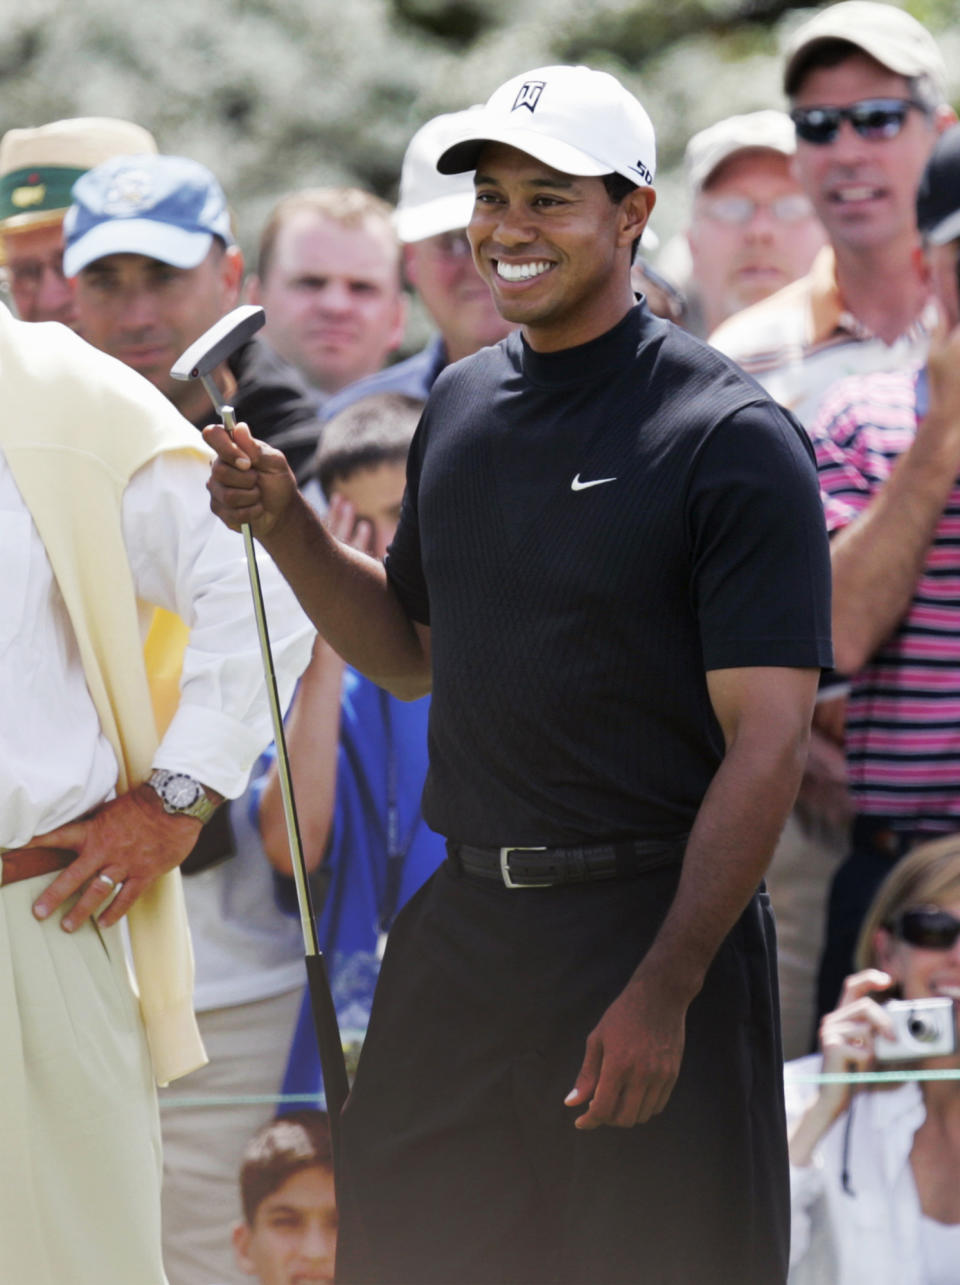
(397,848)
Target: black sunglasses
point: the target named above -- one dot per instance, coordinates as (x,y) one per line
(928,927)
(872,118)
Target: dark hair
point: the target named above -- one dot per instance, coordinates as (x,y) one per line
(372,430)
(285,1146)
(832,51)
(618,187)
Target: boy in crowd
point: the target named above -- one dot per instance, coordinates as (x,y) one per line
(289,1227)
(358,755)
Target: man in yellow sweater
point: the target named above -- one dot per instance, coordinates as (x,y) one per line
(102,519)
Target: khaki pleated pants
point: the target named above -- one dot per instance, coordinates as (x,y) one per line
(80,1164)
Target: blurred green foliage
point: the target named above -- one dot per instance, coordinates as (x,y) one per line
(281,94)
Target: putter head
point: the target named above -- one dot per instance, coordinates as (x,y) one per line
(216,344)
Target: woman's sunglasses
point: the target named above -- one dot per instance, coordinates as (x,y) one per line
(928,927)
(872,118)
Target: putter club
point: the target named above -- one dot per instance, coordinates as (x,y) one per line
(199,362)
(213,347)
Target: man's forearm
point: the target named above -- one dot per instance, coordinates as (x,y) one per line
(730,846)
(348,597)
(878,559)
(633,1055)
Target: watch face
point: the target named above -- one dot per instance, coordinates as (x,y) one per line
(181,791)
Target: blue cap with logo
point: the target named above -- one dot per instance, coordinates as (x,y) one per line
(165,207)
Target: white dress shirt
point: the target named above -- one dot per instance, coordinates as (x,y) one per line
(55,763)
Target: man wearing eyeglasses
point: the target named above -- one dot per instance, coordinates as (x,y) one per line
(866,88)
(753,229)
(888,456)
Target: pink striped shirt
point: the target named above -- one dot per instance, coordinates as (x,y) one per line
(903,712)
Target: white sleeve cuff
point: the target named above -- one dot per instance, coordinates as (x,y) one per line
(212,747)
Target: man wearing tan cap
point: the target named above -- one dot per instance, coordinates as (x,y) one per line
(752,230)
(38,167)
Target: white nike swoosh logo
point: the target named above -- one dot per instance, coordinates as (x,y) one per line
(577,485)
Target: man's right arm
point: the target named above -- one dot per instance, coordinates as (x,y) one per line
(879,557)
(345,593)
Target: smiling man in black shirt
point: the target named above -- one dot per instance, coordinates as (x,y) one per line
(612,570)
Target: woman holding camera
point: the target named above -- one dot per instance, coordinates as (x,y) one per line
(875,1172)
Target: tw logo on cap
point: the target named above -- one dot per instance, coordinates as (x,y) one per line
(529,94)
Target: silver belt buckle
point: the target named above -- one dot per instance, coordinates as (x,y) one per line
(505,869)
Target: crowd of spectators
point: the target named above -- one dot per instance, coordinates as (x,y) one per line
(823,256)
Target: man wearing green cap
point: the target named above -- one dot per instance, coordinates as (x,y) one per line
(38,168)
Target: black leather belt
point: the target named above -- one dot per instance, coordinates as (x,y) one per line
(887,836)
(28,863)
(549,867)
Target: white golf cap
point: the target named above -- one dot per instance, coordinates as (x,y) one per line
(575,120)
(766,131)
(889,35)
(430,202)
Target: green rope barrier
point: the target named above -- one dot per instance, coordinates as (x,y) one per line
(243,1100)
(870,1077)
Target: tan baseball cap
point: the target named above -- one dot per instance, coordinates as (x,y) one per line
(39,165)
(766,131)
(889,35)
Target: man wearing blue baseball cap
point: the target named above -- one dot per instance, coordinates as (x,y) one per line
(150,243)
(572,1068)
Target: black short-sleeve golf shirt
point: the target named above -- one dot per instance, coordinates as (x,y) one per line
(588,532)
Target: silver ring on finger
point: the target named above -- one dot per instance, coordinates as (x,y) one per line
(105,879)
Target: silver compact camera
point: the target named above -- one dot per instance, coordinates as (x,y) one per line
(924,1028)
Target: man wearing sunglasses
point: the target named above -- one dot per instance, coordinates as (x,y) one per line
(888,454)
(865,83)
(866,88)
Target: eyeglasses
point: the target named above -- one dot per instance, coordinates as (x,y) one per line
(27,276)
(738,211)
(928,927)
(872,118)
